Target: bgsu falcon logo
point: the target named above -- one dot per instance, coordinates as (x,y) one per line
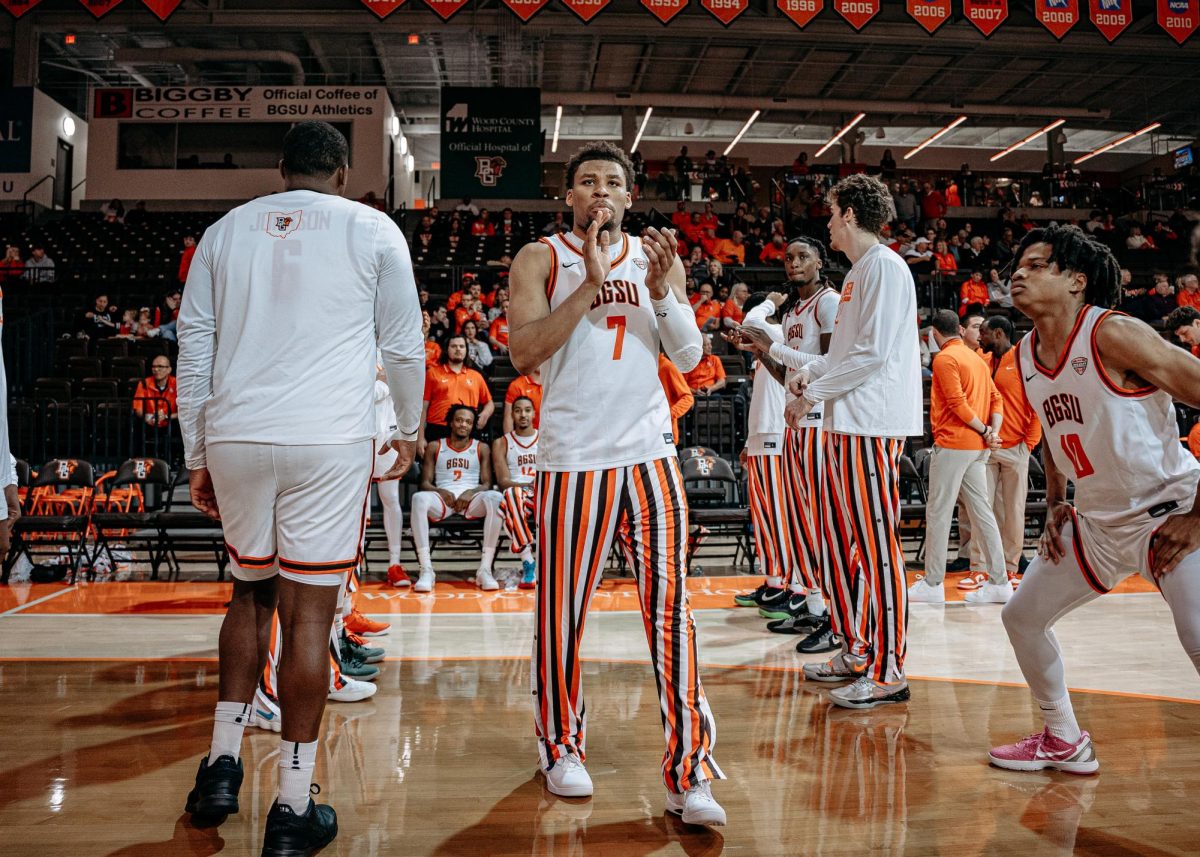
(66,467)
(1079,364)
(281,224)
(489,170)
(640,262)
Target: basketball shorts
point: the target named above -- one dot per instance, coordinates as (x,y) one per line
(1108,554)
(297,511)
(477,508)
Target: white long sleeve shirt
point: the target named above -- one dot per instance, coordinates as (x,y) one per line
(870,381)
(765,423)
(286,299)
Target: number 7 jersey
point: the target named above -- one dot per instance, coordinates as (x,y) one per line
(1120,447)
(602,404)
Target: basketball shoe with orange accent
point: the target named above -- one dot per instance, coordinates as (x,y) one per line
(973,581)
(357,623)
(398,577)
(1045,750)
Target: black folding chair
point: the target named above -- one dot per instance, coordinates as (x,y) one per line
(129,507)
(59,512)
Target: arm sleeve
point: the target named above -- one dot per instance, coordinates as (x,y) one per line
(757,318)
(677,327)
(398,328)
(790,357)
(197,331)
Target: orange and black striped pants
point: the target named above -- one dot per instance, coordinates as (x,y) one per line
(517,508)
(769,504)
(803,473)
(868,590)
(577,519)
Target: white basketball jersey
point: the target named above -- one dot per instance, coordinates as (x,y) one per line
(1120,447)
(603,405)
(522,457)
(457,470)
(803,325)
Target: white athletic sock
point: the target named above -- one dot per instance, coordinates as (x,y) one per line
(1060,719)
(775,582)
(527,554)
(229,722)
(487,558)
(815,602)
(797,589)
(394,556)
(423,559)
(296,764)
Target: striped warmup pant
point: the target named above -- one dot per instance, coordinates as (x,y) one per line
(516,508)
(769,515)
(577,517)
(803,472)
(869,592)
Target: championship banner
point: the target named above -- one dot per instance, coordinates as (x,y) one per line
(16,129)
(445,8)
(986,15)
(1179,18)
(930,14)
(100,8)
(162,9)
(526,9)
(17,8)
(585,9)
(491,142)
(383,8)
(802,12)
(725,10)
(857,12)
(664,10)
(1057,16)
(1111,17)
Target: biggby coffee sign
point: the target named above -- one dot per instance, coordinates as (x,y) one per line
(237,103)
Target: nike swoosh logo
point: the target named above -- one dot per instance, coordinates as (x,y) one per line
(569,264)
(1031,377)
(265,715)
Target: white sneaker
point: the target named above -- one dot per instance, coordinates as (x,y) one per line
(353,691)
(485,581)
(991,593)
(266,713)
(425,581)
(924,593)
(569,778)
(697,805)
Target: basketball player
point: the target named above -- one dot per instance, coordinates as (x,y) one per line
(285,301)
(456,476)
(387,481)
(591,307)
(808,313)
(870,385)
(1102,384)
(515,455)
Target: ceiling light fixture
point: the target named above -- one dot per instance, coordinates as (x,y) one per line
(1056,123)
(641,130)
(745,128)
(860,117)
(937,136)
(557,122)
(1118,142)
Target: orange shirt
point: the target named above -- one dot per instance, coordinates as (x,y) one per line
(499,330)
(730,253)
(433,351)
(732,310)
(148,399)
(1193,440)
(706,310)
(445,387)
(462,314)
(1185,298)
(523,385)
(945,263)
(455,299)
(1020,420)
(772,253)
(972,292)
(962,390)
(679,395)
(707,372)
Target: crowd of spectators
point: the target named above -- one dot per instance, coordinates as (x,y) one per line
(36,268)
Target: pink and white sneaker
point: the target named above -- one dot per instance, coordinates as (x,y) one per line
(1043,750)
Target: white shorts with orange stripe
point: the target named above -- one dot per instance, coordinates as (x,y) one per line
(518,508)
(803,471)
(769,514)
(297,511)
(577,515)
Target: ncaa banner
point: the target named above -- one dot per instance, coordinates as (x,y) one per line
(1057,16)
(491,142)
(586,9)
(986,15)
(1111,17)
(526,9)
(801,12)
(930,14)
(725,10)
(445,8)
(664,10)
(383,8)
(857,12)
(1179,18)
(100,8)
(162,9)
(17,8)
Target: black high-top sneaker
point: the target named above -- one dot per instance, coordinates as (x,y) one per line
(292,835)
(216,789)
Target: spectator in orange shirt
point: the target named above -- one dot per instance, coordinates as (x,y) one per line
(498,330)
(708,242)
(432,350)
(471,309)
(943,260)
(680,218)
(483,224)
(731,311)
(1188,293)
(731,251)
(1185,323)
(527,386)
(679,396)
(693,229)
(775,252)
(156,397)
(709,375)
(448,382)
(708,311)
(972,291)
(1193,440)
(185,259)
(709,219)
(471,287)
